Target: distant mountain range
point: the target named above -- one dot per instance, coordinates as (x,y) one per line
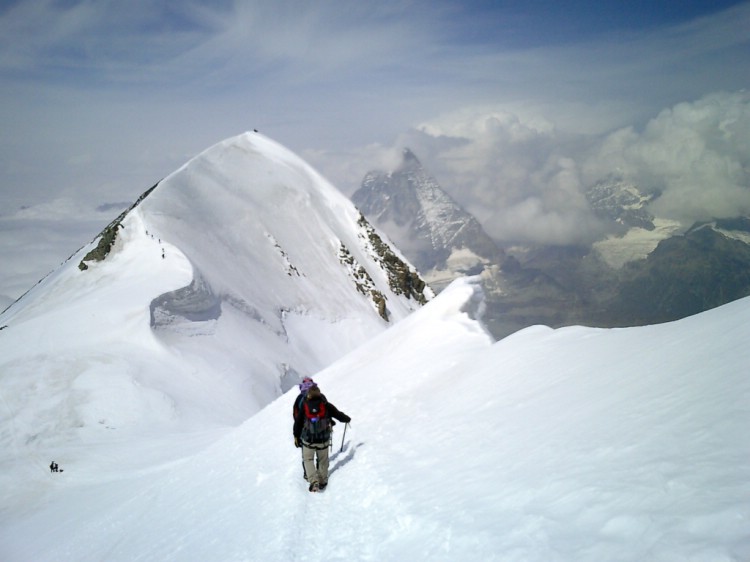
(645,271)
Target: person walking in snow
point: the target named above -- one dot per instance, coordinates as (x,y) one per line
(312,432)
(54,467)
(304,386)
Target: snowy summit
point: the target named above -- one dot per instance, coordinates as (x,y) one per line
(151,371)
(244,269)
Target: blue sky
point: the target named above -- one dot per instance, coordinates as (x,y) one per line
(536,23)
(101,99)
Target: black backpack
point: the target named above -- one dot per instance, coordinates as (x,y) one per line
(316,427)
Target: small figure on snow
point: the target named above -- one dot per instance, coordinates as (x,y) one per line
(54,467)
(312,432)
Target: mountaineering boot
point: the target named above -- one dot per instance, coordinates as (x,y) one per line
(314,487)
(322,486)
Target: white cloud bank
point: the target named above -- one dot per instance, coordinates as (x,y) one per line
(100,100)
(525,179)
(697,154)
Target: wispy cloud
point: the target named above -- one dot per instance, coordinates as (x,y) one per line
(99,99)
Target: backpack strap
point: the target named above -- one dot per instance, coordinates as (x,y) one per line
(298,404)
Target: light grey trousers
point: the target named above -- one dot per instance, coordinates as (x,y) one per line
(317,473)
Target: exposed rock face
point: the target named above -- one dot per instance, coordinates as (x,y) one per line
(439,237)
(621,202)
(644,272)
(685,275)
(108,236)
(682,275)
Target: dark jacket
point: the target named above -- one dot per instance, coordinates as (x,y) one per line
(331,412)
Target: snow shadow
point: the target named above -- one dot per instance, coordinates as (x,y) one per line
(194,303)
(341,458)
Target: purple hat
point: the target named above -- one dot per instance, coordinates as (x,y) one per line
(306,384)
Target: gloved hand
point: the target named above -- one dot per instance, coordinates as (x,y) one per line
(348,419)
(297,442)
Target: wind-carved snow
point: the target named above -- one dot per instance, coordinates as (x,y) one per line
(574,445)
(194,304)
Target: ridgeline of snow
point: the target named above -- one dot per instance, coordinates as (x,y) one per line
(575,444)
(224,285)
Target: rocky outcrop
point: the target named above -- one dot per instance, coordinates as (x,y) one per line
(422,220)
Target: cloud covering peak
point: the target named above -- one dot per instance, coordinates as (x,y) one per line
(525,178)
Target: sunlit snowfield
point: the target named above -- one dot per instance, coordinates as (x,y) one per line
(575,444)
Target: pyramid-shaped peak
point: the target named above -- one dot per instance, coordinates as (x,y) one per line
(409,158)
(245,253)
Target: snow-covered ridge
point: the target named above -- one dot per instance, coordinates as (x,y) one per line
(227,272)
(297,220)
(565,445)
(139,376)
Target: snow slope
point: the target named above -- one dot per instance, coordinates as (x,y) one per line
(224,285)
(574,444)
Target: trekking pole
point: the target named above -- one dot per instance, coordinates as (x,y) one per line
(342,437)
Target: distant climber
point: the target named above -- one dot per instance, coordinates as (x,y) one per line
(54,467)
(312,433)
